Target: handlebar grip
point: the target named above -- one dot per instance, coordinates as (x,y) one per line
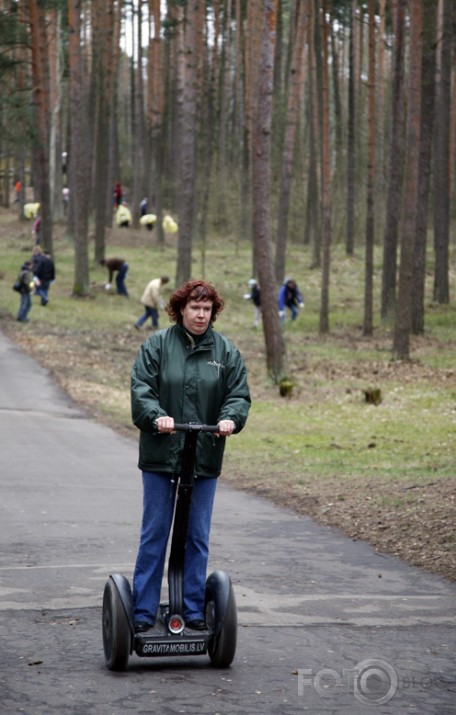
(195,427)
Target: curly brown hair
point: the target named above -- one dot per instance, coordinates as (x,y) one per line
(198,291)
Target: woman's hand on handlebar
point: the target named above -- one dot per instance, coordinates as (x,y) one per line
(165,424)
(226,428)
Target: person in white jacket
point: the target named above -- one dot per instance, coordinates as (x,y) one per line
(152,301)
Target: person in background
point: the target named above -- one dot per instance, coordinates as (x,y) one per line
(36,230)
(26,285)
(290,297)
(185,373)
(65,199)
(118,193)
(119,266)
(152,301)
(254,296)
(43,273)
(143,206)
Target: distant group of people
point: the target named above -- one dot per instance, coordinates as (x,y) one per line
(289,297)
(35,277)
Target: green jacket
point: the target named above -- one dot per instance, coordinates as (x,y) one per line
(204,382)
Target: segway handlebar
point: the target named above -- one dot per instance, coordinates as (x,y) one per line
(195,427)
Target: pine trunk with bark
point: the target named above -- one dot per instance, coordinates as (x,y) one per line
(261,187)
(442,164)
(368,324)
(424,167)
(402,328)
(187,149)
(325,178)
(78,160)
(40,77)
(351,138)
(295,94)
(395,171)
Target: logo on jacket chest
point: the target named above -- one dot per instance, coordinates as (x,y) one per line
(218,365)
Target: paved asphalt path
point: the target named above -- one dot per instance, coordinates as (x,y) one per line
(326,624)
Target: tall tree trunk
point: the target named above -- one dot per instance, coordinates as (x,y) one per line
(187,158)
(368,325)
(138,126)
(424,167)
(402,328)
(295,93)
(325,178)
(393,208)
(442,165)
(351,138)
(312,229)
(55,93)
(155,109)
(261,184)
(380,129)
(78,163)
(40,76)
(104,56)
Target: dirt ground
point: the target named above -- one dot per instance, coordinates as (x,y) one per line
(423,535)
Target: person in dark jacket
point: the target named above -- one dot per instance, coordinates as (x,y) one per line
(185,373)
(290,297)
(43,272)
(25,281)
(119,266)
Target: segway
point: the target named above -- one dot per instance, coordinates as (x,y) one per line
(170,637)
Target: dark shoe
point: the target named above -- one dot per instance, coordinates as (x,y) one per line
(143,626)
(138,327)
(197,625)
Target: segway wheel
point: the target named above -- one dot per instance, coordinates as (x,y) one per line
(221,615)
(116,629)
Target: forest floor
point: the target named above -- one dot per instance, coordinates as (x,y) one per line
(413,518)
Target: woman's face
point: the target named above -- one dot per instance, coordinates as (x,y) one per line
(196,316)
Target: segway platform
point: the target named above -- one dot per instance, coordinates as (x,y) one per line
(169,636)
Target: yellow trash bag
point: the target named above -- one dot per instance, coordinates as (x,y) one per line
(169,225)
(123,216)
(147,219)
(31,210)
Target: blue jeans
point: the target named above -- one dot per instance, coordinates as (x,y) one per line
(294,312)
(42,290)
(24,307)
(151,313)
(158,507)
(120,280)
